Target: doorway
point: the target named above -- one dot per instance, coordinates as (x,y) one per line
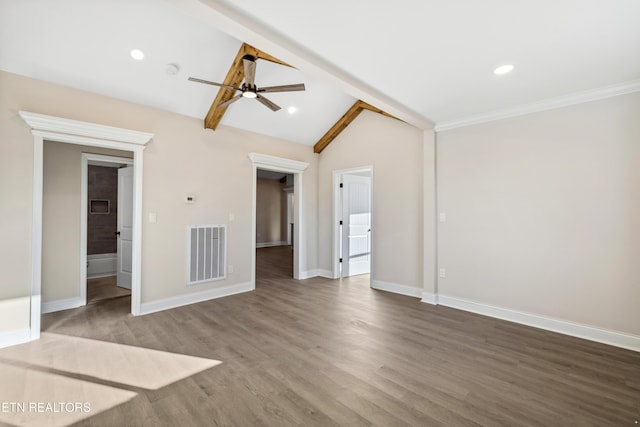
(274,249)
(283,166)
(353,219)
(107,194)
(63,130)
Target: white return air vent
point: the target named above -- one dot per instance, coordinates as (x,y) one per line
(207,246)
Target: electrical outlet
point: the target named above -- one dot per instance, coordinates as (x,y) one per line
(230,268)
(442,273)
(443,217)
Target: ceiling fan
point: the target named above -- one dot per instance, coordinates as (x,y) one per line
(249,88)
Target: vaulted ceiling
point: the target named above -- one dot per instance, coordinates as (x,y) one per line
(424,61)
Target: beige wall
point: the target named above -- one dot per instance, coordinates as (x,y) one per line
(543,213)
(270,211)
(62,171)
(395,150)
(16,182)
(183,158)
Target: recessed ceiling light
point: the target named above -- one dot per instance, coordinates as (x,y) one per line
(137,54)
(292,110)
(503,69)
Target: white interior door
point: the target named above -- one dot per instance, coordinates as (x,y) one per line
(356,225)
(125,226)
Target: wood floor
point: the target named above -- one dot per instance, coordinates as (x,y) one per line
(337,353)
(101,288)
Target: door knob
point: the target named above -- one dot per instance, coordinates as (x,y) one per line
(117,233)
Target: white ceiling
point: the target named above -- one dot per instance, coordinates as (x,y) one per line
(430,58)
(86,45)
(437,57)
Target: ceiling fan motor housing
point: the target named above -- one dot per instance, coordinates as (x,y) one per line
(249,91)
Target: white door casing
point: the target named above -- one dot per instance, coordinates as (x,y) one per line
(290,214)
(90,134)
(338,175)
(356,229)
(279,164)
(125,227)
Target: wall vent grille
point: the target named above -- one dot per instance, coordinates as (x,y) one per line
(207,246)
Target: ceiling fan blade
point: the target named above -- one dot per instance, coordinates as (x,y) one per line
(249,70)
(283,88)
(229,102)
(207,82)
(268,103)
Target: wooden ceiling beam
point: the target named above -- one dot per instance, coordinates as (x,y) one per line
(376,110)
(344,121)
(250,50)
(234,77)
(338,127)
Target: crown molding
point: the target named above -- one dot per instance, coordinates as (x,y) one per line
(548,104)
(50,124)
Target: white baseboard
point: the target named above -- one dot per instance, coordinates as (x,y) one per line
(618,339)
(327,274)
(63,304)
(315,273)
(308,274)
(429,298)
(101,265)
(270,244)
(98,276)
(409,291)
(181,300)
(15,337)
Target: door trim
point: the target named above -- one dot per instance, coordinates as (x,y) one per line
(57,129)
(278,164)
(84,200)
(289,191)
(337,214)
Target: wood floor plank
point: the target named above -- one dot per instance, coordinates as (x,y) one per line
(324,352)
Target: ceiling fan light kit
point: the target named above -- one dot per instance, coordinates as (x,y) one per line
(249,88)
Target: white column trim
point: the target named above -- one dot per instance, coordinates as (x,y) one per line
(36,236)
